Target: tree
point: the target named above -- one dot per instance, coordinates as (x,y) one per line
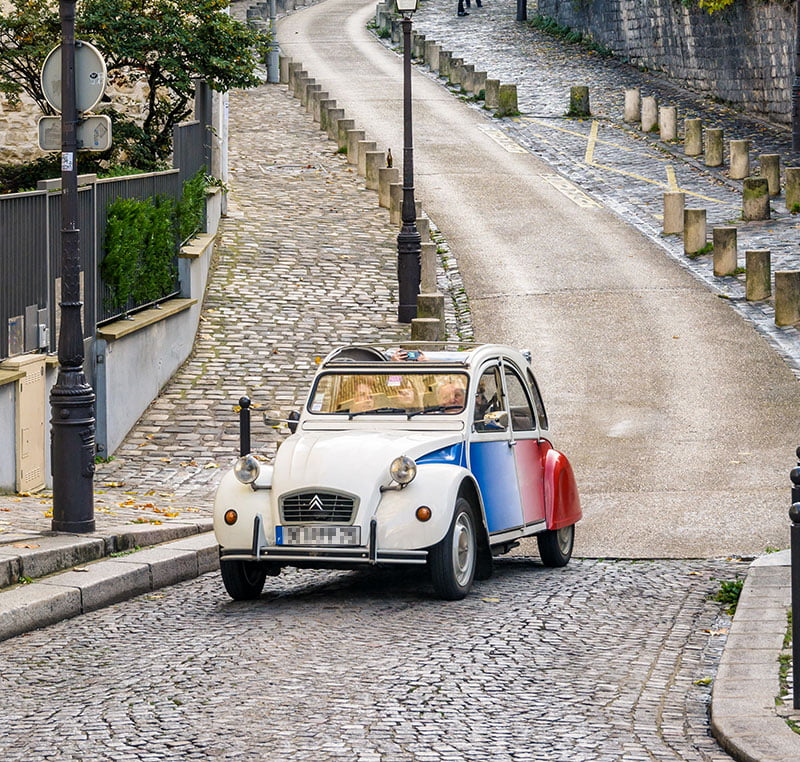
(166,44)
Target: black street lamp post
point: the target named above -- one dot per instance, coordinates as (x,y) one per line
(71,399)
(796,84)
(409,247)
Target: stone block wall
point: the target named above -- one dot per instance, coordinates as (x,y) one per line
(743,54)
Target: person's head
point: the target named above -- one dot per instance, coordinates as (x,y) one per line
(451,394)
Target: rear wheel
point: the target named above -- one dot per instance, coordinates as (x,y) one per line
(244,580)
(555,545)
(452,561)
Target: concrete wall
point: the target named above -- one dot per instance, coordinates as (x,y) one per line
(8,417)
(743,54)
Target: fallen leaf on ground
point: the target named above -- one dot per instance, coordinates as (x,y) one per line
(80,568)
(490,600)
(24,545)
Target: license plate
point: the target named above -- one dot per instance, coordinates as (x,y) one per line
(317,535)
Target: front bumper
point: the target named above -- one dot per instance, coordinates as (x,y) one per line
(340,556)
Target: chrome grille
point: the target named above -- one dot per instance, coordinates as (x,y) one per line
(309,507)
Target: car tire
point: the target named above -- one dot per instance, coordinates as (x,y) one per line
(452,561)
(555,545)
(244,580)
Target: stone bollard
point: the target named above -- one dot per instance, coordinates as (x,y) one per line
(283,68)
(342,128)
(740,159)
(427,284)
(579,101)
(692,137)
(725,253)
(332,118)
(632,111)
(479,78)
(455,71)
(300,82)
(318,97)
(386,177)
(321,106)
(492,98)
(307,97)
(424,227)
(431,305)
(432,50)
(426,329)
(787,297)
(713,149)
(363,147)
(445,57)
(757,280)
(793,189)
(507,101)
(418,46)
(771,169)
(694,230)
(755,199)
(373,161)
(396,203)
(354,137)
(649,113)
(396,32)
(673,211)
(668,123)
(468,81)
(295,68)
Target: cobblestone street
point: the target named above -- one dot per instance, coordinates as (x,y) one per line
(624,169)
(602,661)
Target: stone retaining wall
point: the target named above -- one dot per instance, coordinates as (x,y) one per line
(743,54)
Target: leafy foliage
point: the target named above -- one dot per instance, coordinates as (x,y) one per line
(165,44)
(142,238)
(728,593)
(712,6)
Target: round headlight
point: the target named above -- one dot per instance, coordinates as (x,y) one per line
(246,469)
(403,470)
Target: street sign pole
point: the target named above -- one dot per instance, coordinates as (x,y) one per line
(71,399)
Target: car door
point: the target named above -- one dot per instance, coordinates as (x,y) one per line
(491,453)
(526,446)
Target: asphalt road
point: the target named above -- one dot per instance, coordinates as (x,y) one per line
(679,419)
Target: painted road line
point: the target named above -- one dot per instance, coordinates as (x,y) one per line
(580,135)
(672,181)
(503,140)
(589,157)
(572,192)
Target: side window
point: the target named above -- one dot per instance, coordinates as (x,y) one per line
(520,408)
(489,403)
(537,401)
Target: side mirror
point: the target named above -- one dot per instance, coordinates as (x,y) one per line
(496,419)
(294,417)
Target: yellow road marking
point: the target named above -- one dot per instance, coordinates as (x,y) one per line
(589,157)
(580,134)
(672,181)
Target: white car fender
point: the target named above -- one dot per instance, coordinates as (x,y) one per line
(436,486)
(247,502)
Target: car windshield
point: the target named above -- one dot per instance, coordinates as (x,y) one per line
(412,393)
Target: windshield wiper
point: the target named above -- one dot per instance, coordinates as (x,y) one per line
(377,410)
(435,409)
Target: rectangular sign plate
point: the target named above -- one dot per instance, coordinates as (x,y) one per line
(318,535)
(92,134)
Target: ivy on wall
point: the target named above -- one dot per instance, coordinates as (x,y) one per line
(141,240)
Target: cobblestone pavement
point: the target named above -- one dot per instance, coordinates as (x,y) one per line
(306,262)
(602,660)
(624,169)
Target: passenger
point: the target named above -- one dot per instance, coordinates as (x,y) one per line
(452,394)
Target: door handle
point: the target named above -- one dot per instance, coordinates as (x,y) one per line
(512,442)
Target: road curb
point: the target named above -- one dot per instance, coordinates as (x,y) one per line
(101,583)
(743,717)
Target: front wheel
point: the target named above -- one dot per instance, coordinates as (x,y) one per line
(555,545)
(452,561)
(244,580)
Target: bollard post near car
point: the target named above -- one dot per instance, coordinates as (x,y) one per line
(244,426)
(794,515)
